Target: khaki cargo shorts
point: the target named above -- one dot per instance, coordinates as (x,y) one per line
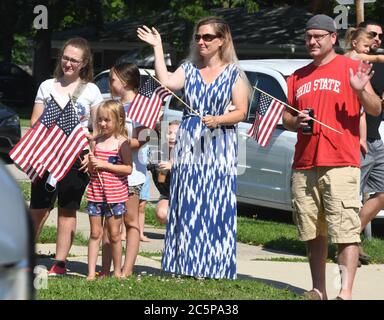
(327,199)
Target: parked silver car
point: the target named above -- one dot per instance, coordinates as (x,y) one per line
(263,173)
(16,242)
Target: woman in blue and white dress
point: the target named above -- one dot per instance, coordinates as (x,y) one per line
(200,240)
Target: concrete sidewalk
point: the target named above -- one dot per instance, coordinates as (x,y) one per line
(295,276)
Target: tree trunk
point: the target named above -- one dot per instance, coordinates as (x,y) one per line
(42,64)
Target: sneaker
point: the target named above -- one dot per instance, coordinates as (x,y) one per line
(57,270)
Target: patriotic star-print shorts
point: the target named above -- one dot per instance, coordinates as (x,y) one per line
(106,209)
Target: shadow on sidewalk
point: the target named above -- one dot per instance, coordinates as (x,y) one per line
(273,283)
(154,235)
(80,268)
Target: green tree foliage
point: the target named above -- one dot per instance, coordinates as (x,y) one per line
(17,17)
(375,11)
(70,14)
(14,16)
(21,53)
(113,10)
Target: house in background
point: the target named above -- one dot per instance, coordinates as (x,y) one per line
(272,32)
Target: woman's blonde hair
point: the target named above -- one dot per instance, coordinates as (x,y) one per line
(86,72)
(354,34)
(227,51)
(116,109)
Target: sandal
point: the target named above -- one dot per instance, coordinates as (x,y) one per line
(313,294)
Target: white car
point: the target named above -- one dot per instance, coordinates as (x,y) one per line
(16,242)
(264,174)
(102,81)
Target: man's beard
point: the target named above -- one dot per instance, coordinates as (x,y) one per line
(376,50)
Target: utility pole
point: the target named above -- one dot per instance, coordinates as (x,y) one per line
(359,5)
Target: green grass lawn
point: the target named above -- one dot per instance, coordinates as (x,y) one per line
(147,254)
(25,122)
(273,235)
(160,288)
(49,233)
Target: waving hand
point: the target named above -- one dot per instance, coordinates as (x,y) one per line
(363,74)
(150,36)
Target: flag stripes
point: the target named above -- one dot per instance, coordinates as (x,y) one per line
(53,144)
(146,106)
(268,113)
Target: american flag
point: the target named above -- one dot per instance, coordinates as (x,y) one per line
(268,113)
(22,153)
(146,106)
(63,144)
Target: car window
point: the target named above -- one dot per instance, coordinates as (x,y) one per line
(176,104)
(102,81)
(266,83)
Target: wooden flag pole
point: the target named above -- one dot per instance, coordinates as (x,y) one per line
(287,105)
(171,92)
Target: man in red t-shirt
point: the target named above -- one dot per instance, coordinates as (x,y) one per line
(326,175)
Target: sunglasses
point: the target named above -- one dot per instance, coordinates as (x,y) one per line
(374,34)
(206,37)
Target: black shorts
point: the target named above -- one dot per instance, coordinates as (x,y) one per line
(69,190)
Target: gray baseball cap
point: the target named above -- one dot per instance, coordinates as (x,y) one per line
(321,22)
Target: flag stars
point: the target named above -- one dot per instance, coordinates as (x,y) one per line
(148,88)
(51,113)
(265,101)
(69,119)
